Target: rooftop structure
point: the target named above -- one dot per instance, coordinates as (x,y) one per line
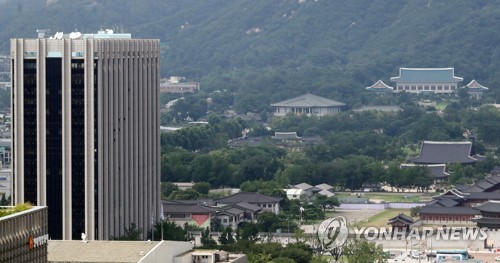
(380,86)
(436,152)
(307,104)
(475,89)
(436,80)
(68,251)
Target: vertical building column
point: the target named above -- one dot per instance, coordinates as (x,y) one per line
(17,47)
(41,122)
(89,140)
(66,139)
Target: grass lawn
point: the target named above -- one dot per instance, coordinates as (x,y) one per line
(381,218)
(441,105)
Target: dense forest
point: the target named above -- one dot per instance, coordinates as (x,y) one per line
(267,50)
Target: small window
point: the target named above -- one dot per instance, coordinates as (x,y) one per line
(78,54)
(30,54)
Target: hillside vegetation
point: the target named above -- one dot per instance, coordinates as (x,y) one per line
(268,50)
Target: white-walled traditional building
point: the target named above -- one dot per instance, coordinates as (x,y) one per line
(308,104)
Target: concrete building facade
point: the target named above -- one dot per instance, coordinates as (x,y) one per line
(85,136)
(24,236)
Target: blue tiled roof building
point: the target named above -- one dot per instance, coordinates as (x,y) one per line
(436,80)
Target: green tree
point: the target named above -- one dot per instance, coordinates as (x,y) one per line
(325,202)
(132,233)
(362,251)
(202,187)
(188,194)
(206,240)
(167,188)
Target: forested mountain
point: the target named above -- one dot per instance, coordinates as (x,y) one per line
(268,50)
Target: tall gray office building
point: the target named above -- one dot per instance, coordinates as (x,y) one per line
(85,111)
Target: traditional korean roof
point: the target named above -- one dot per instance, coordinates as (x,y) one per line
(232,211)
(432,152)
(308,100)
(492,206)
(402,218)
(475,86)
(486,185)
(248,197)
(484,196)
(380,86)
(437,170)
(421,75)
(247,207)
(172,208)
(445,202)
(487,221)
(455,210)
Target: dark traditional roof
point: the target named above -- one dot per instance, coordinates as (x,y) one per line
(462,187)
(484,196)
(173,208)
(447,202)
(247,207)
(420,75)
(444,152)
(488,184)
(380,86)
(456,210)
(490,206)
(487,221)
(232,211)
(308,100)
(402,218)
(248,197)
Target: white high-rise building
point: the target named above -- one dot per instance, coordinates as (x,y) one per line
(85,136)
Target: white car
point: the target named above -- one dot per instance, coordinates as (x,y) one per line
(416,254)
(497,259)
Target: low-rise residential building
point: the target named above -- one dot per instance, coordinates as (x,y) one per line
(309,190)
(295,194)
(307,104)
(267,203)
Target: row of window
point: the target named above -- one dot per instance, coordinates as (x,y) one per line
(425,87)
